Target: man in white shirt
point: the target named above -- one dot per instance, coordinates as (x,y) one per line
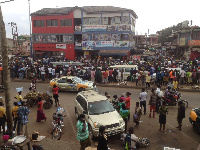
(143,98)
(183,73)
(53,73)
(159,95)
(42,70)
(50,72)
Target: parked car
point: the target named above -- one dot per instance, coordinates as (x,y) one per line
(195,119)
(71,83)
(98,111)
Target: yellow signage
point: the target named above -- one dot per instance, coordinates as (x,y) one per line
(182,42)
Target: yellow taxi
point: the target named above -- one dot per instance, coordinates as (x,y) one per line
(71,83)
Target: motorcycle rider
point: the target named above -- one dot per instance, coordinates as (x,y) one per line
(131,140)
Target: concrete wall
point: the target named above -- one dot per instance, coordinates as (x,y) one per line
(77,13)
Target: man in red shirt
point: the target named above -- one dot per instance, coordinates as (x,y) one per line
(55,94)
(110,78)
(128,102)
(105,77)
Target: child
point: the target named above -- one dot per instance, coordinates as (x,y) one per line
(137,115)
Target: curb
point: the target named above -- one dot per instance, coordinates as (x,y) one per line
(140,87)
(112,85)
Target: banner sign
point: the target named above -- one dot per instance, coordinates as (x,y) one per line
(182,41)
(61,46)
(107,44)
(122,27)
(88,45)
(94,28)
(194,42)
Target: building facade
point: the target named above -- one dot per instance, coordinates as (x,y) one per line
(188,42)
(82,31)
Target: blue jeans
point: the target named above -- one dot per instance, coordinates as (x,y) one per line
(43,77)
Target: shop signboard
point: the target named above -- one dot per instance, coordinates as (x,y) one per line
(182,41)
(124,43)
(61,46)
(194,42)
(107,44)
(88,45)
(89,28)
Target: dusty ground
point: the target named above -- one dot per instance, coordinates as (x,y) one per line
(149,128)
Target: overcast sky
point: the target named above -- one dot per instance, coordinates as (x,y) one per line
(152,14)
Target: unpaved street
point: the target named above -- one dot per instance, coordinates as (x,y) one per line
(149,128)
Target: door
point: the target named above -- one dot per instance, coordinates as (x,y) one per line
(71,85)
(62,84)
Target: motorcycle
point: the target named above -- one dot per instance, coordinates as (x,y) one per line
(172,99)
(57,123)
(57,131)
(141,142)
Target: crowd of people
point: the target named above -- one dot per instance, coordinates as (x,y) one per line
(160,71)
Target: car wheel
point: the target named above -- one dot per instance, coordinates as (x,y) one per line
(196,128)
(81,89)
(91,132)
(76,114)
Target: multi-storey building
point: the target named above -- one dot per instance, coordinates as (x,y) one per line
(83,31)
(187,42)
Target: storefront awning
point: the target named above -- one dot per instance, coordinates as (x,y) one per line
(113,52)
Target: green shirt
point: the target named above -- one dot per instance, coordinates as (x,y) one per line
(124,113)
(81,136)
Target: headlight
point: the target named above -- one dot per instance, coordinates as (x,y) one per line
(97,125)
(121,121)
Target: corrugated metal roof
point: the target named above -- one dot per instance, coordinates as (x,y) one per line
(87,9)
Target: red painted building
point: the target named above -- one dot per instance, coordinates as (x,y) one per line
(82,31)
(51,27)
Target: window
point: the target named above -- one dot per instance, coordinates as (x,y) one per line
(38,23)
(52,23)
(82,102)
(59,38)
(63,80)
(70,38)
(84,105)
(66,22)
(125,37)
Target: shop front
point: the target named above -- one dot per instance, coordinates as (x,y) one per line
(42,50)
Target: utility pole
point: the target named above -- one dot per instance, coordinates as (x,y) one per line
(31,48)
(6,74)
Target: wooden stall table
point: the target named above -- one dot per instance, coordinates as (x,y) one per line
(26,142)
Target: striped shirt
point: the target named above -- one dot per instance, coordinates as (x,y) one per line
(81,136)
